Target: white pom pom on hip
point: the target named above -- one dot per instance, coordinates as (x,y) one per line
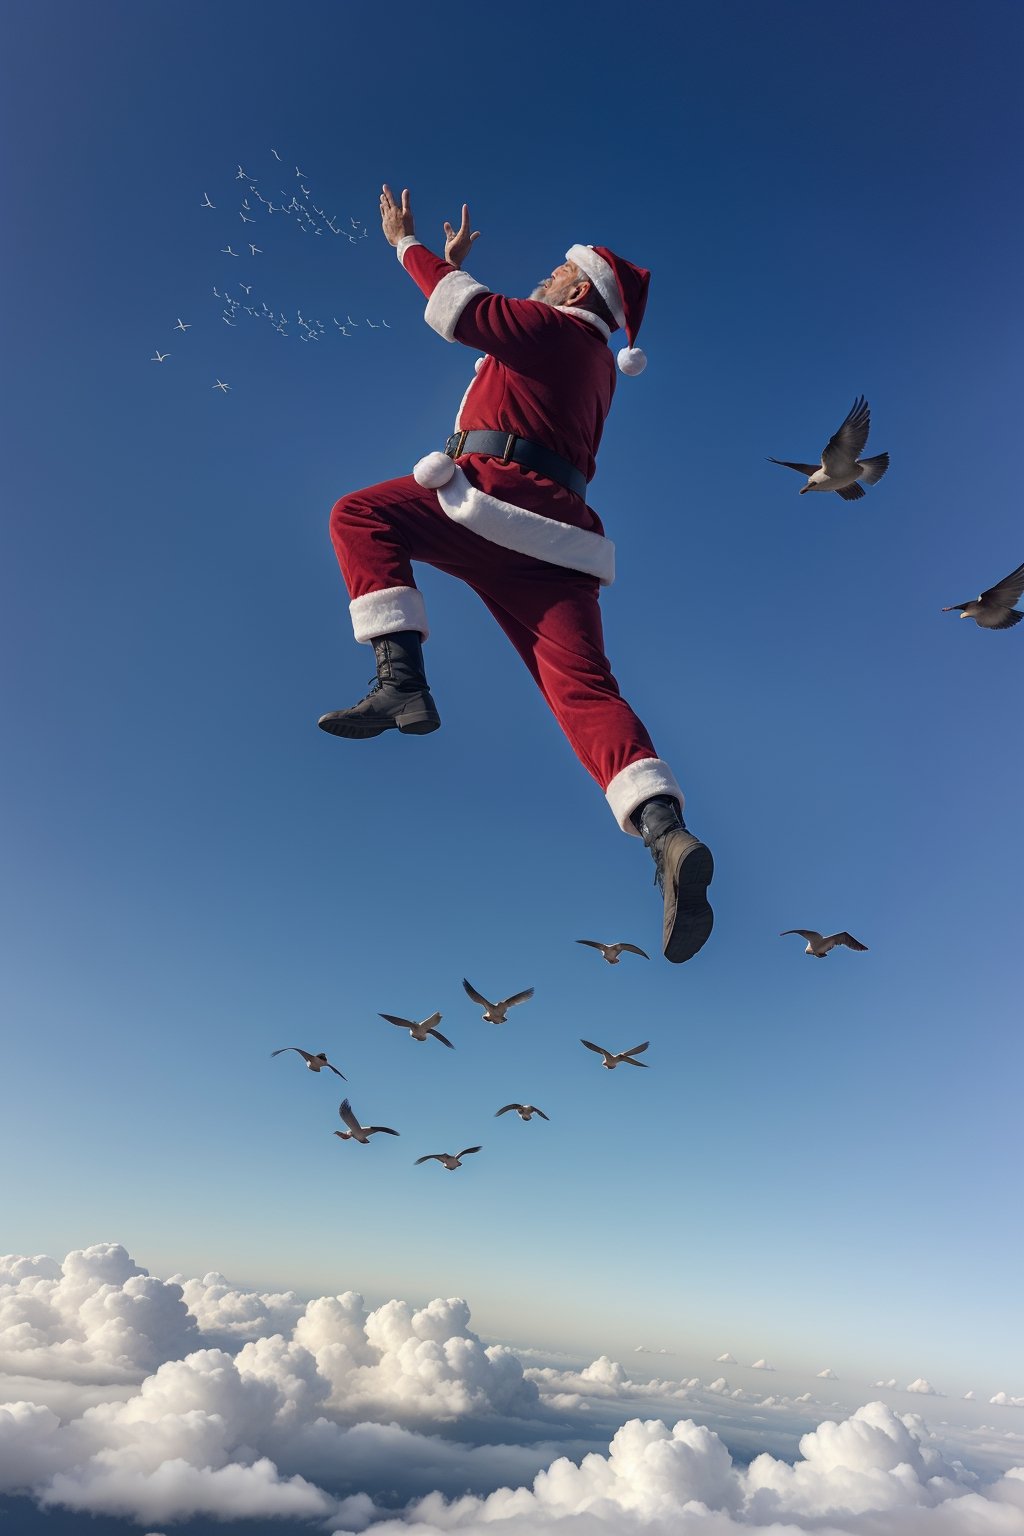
(433,470)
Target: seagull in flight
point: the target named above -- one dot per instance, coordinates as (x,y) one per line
(350,321)
(275,154)
(181,325)
(385,325)
(314,1063)
(354,222)
(451,1160)
(300,174)
(496,1013)
(303,190)
(243,177)
(254,248)
(611,952)
(994,609)
(160,357)
(227,321)
(357,1132)
(841,466)
(372,326)
(245,218)
(206,201)
(221,386)
(819,944)
(524,1111)
(226,250)
(613,1059)
(422,1030)
(246,286)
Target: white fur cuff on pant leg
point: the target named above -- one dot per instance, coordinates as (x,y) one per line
(388,613)
(636,783)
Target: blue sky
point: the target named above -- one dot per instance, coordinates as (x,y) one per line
(821,1166)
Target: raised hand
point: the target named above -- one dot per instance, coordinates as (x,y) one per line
(458,241)
(395,220)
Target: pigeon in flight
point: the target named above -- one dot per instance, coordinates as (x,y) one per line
(420,1031)
(524,1111)
(612,1059)
(357,1132)
(497,1013)
(841,465)
(819,944)
(994,609)
(451,1160)
(314,1063)
(611,952)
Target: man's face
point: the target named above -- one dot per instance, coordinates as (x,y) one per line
(557,288)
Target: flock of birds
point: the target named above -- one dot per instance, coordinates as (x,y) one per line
(310,218)
(425,1029)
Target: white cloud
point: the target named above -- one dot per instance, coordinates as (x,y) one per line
(762,1365)
(969,1397)
(924,1387)
(222,1310)
(1003,1400)
(725,1359)
(890,1384)
(828,1374)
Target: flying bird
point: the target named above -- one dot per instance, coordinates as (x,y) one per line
(372,326)
(243,177)
(611,952)
(841,466)
(819,945)
(246,286)
(994,609)
(497,1013)
(350,321)
(422,1030)
(357,1132)
(227,321)
(524,1111)
(219,385)
(254,248)
(160,357)
(245,217)
(206,201)
(226,250)
(275,154)
(314,1063)
(182,326)
(451,1160)
(612,1059)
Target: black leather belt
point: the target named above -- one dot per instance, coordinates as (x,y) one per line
(519,450)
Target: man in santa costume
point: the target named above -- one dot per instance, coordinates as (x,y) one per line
(504,507)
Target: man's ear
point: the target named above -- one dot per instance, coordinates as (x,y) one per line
(578,293)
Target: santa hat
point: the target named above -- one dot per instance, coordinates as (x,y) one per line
(623,288)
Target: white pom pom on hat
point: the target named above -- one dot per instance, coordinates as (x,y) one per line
(433,470)
(632,360)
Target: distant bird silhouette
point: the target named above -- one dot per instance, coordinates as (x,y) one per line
(496,1013)
(819,945)
(994,609)
(613,1059)
(611,952)
(524,1111)
(451,1160)
(314,1063)
(275,154)
(206,201)
(357,1132)
(226,250)
(183,325)
(160,357)
(841,466)
(221,386)
(421,1031)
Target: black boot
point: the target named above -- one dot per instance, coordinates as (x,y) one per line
(683,870)
(399,699)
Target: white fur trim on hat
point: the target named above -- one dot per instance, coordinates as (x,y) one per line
(433,469)
(601,275)
(528,533)
(632,360)
(388,613)
(449,299)
(403,245)
(636,783)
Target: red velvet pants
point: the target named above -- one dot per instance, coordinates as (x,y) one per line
(551,615)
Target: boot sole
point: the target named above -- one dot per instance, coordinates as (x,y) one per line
(358,730)
(693,919)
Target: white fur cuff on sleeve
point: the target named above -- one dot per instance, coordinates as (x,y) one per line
(636,783)
(403,245)
(449,299)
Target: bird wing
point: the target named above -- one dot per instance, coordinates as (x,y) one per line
(467,1151)
(998,618)
(541,1113)
(803,469)
(475,995)
(429,1156)
(505,1109)
(805,933)
(1006,592)
(393,1018)
(593,944)
(518,997)
(634,949)
(291,1048)
(374,1130)
(591,1047)
(345,1111)
(636,1049)
(443,1038)
(846,446)
(629,1062)
(852,492)
(335,1070)
(847,939)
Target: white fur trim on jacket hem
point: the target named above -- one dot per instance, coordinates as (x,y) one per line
(636,783)
(388,613)
(528,533)
(601,275)
(449,299)
(403,245)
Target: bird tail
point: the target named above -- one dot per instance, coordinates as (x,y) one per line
(874,469)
